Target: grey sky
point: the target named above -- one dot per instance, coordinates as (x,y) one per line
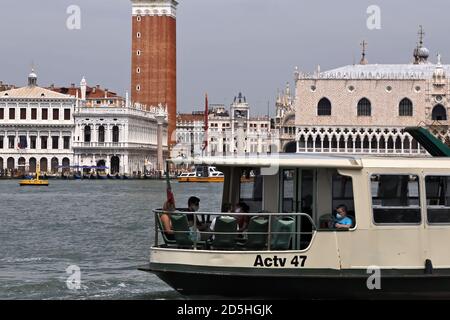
(224,46)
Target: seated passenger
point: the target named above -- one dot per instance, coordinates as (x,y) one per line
(194,206)
(168,208)
(341,220)
(243,220)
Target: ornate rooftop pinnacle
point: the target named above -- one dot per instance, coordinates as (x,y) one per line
(32,79)
(421,53)
(363,54)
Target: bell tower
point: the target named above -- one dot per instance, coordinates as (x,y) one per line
(154,69)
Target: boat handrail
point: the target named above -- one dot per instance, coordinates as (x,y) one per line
(237,232)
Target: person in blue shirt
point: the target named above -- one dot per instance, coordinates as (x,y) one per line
(341,221)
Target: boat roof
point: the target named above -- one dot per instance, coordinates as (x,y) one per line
(318,161)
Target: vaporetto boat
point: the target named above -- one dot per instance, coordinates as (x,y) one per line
(397,245)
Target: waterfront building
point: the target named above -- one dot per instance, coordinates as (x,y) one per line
(153,71)
(284,121)
(123,139)
(36,128)
(99,132)
(229,132)
(363,108)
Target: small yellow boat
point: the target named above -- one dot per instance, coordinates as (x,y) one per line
(34,182)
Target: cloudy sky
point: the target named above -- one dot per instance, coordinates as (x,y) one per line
(224,46)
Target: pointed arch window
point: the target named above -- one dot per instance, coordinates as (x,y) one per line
(324,107)
(364,108)
(439,113)
(405,108)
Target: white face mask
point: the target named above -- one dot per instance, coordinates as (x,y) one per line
(338,216)
(238,210)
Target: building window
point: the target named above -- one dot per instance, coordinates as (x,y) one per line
(115,134)
(138,35)
(23,142)
(55,142)
(44,143)
(138,52)
(405,108)
(138,70)
(2,113)
(12,114)
(138,88)
(439,113)
(23,114)
(395,199)
(364,108)
(101,134)
(1,142)
(55,114)
(324,107)
(45,114)
(138,18)
(66,114)
(33,114)
(438,199)
(11,142)
(66,142)
(87,134)
(388,89)
(33,142)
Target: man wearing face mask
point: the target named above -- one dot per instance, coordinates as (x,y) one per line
(341,220)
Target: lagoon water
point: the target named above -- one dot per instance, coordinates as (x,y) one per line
(103,227)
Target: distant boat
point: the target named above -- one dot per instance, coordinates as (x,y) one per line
(34,182)
(202,174)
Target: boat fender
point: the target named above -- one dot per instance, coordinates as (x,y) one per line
(428,267)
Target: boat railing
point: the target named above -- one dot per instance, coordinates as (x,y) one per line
(200,237)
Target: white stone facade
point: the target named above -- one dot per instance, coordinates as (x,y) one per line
(36,128)
(228,134)
(124,140)
(42,127)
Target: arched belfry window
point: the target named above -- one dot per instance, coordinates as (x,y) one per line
(439,113)
(405,108)
(324,107)
(364,108)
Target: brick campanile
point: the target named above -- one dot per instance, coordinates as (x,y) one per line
(154,56)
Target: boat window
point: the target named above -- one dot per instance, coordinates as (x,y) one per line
(438,199)
(395,199)
(343,195)
(288,191)
(251,189)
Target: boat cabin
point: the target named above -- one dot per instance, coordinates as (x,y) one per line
(399,210)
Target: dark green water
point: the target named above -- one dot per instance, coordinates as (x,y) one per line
(104,227)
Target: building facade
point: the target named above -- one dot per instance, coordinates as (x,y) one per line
(364,108)
(36,128)
(99,132)
(284,121)
(232,132)
(153,73)
(122,139)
